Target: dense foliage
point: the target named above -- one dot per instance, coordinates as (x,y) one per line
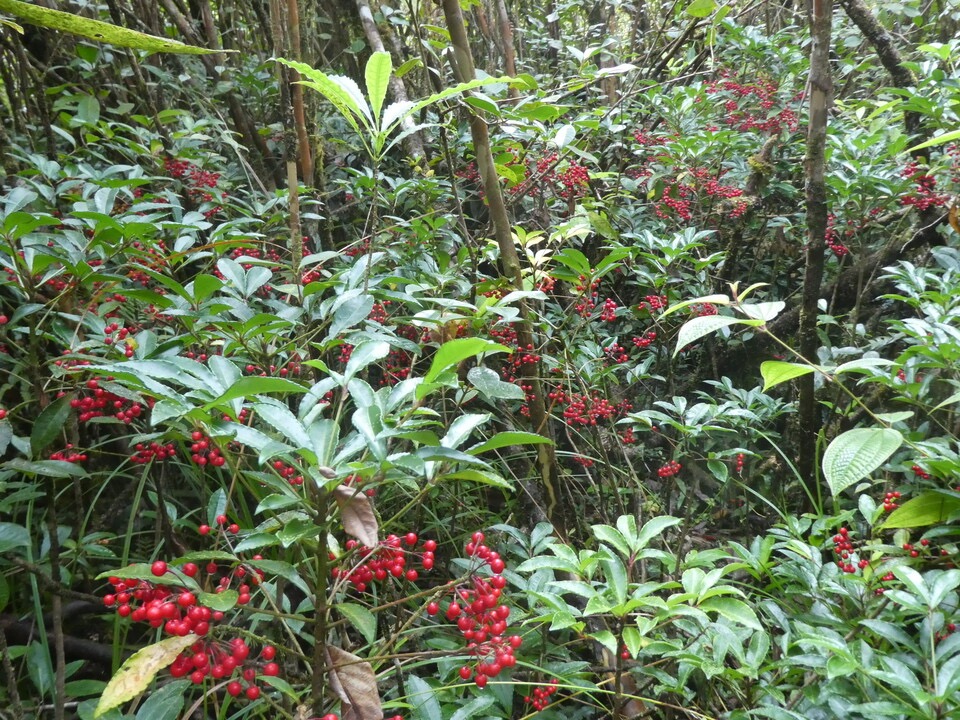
(287,430)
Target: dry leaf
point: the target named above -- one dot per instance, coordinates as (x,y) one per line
(353,681)
(954,220)
(138,671)
(356,512)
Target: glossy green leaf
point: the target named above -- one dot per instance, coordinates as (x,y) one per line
(734,610)
(488,382)
(701,8)
(698,327)
(775,372)
(455,351)
(928,508)
(49,424)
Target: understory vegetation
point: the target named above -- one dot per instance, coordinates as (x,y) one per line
(577,361)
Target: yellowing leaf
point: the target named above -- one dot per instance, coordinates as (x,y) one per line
(138,671)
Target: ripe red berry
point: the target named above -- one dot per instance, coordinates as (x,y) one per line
(221,519)
(3,414)
(253,692)
(432,608)
(159,568)
(269,652)
(271,669)
(466,672)
(186,599)
(204,529)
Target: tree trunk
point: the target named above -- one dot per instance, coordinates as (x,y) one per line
(821,92)
(509,259)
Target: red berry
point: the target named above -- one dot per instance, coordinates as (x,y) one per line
(481,681)
(253,692)
(186,599)
(269,652)
(466,672)
(204,529)
(410,539)
(271,669)
(3,414)
(432,608)
(159,568)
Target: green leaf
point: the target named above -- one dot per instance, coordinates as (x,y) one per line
(701,8)
(855,454)
(49,424)
(136,674)
(164,703)
(488,382)
(705,299)
(255,385)
(222,601)
(613,537)
(362,355)
(332,89)
(95,29)
(378,70)
(939,140)
(351,310)
(455,351)
(423,698)
(284,421)
(616,576)
(929,508)
(775,372)
(653,528)
(362,619)
(45,468)
(732,609)
(693,330)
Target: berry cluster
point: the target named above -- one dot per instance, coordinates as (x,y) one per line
(588,409)
(669,469)
(890,501)
(609,312)
(387,560)
(69,455)
(481,617)
(924,195)
(221,660)
(541,695)
(738,466)
(144,454)
(653,303)
(843,549)
(202,452)
(920,472)
(113,333)
(645,340)
(751,107)
(100,402)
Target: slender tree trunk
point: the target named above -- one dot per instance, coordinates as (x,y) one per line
(509,259)
(821,92)
(413,141)
(286,76)
(509,53)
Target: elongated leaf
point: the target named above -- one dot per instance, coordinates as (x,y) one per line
(732,609)
(855,454)
(701,8)
(164,703)
(364,354)
(693,330)
(653,528)
(423,698)
(507,438)
(705,299)
(929,508)
(362,619)
(49,424)
(285,422)
(378,70)
(254,385)
(95,29)
(939,140)
(136,674)
(461,428)
(775,372)
(455,351)
(488,382)
(344,102)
